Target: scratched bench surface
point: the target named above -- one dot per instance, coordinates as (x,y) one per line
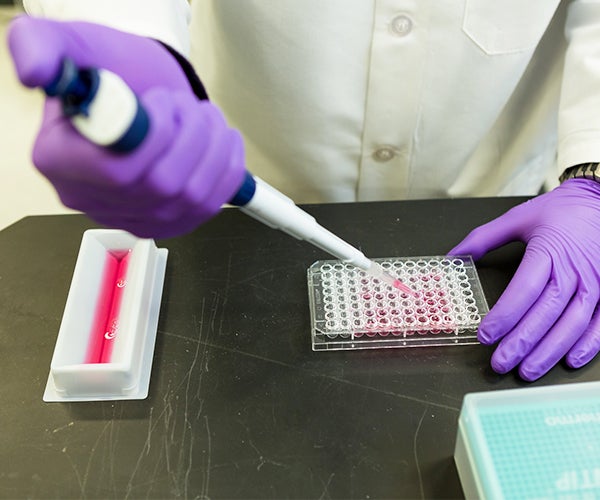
(239,405)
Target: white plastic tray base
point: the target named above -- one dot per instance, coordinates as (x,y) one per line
(351,310)
(128,376)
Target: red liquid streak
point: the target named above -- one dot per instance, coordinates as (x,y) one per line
(106,319)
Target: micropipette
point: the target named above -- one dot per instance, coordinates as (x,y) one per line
(103,108)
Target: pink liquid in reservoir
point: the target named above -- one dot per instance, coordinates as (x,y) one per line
(106,318)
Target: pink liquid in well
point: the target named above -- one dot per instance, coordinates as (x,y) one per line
(106,318)
(391,308)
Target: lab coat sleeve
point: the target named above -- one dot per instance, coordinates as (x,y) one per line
(579,111)
(164,20)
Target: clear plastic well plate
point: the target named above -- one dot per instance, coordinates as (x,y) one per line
(351,310)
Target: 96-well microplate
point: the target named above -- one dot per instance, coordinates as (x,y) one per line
(351,310)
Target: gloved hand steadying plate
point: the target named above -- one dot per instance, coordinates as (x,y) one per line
(548,310)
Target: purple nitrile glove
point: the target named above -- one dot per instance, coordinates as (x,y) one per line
(189,165)
(548,310)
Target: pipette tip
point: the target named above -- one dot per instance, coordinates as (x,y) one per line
(402,287)
(378,272)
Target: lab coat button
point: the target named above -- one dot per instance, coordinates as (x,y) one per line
(401,25)
(383,154)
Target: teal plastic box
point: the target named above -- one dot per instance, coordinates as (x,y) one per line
(532,443)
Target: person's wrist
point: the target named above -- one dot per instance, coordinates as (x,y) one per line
(590,171)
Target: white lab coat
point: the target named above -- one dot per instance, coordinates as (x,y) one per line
(356,100)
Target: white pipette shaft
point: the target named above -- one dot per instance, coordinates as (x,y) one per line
(276,210)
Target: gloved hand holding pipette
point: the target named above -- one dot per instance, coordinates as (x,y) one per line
(189,165)
(182,161)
